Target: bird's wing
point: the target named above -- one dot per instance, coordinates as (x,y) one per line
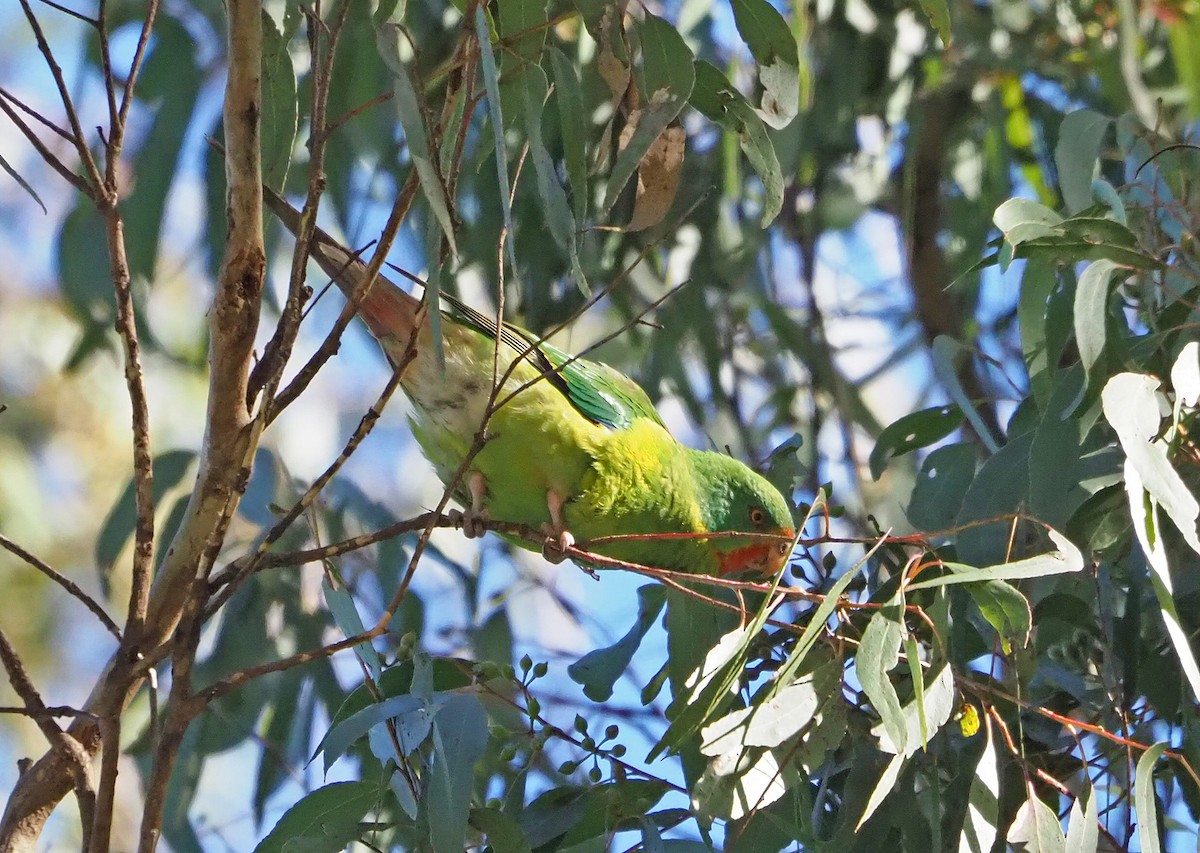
(600,393)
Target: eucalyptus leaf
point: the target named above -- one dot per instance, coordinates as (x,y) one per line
(323,821)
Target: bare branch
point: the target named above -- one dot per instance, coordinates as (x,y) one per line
(143,477)
(269,371)
(47,711)
(63,581)
(63,744)
(121,115)
(44,152)
(365,425)
(77,15)
(34,114)
(333,340)
(81,146)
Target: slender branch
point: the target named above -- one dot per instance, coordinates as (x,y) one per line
(77,15)
(81,146)
(277,353)
(117,134)
(365,425)
(106,73)
(135,383)
(180,711)
(47,711)
(63,581)
(34,114)
(61,742)
(333,340)
(43,151)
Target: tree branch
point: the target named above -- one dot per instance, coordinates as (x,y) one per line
(66,583)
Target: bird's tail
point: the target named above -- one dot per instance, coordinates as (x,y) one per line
(389,312)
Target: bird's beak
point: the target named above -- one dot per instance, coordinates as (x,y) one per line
(761,558)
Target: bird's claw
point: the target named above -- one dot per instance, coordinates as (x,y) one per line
(558,542)
(473,523)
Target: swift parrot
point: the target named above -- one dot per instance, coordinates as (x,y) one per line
(578,451)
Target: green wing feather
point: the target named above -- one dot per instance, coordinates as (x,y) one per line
(600,393)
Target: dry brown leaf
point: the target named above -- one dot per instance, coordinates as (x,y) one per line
(658,176)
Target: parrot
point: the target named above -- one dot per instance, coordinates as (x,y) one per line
(576,450)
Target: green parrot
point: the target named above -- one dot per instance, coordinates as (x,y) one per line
(578,451)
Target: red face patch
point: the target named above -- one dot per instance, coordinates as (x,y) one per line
(764,558)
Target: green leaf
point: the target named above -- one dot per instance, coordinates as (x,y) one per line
(324,821)
(598,670)
(766,724)
(1036,828)
(878,654)
(939,15)
(167,470)
(1143,508)
(288,732)
(1055,466)
(21,182)
(503,833)
(345,616)
(491,87)
(1098,230)
(777,55)
(1080,137)
(573,123)
(416,135)
(883,787)
(557,213)
(1006,610)
(1083,827)
(1021,219)
(1066,559)
(983,810)
(668,77)
(279,106)
(413,720)
(941,485)
(83,266)
(1131,405)
(388,11)
(718,99)
(946,352)
(736,784)
(172,78)
(1091,313)
(910,432)
(460,736)
(928,715)
(1000,488)
(1144,804)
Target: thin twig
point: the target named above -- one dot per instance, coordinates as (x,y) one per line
(365,425)
(34,114)
(50,158)
(135,67)
(71,750)
(80,141)
(47,711)
(333,340)
(65,582)
(77,15)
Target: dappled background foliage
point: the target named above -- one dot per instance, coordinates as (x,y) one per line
(941,287)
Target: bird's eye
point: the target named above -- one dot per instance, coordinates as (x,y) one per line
(757,516)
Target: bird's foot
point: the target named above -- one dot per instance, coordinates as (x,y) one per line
(474,519)
(472,522)
(558,542)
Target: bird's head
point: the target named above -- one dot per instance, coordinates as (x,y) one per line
(735,499)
